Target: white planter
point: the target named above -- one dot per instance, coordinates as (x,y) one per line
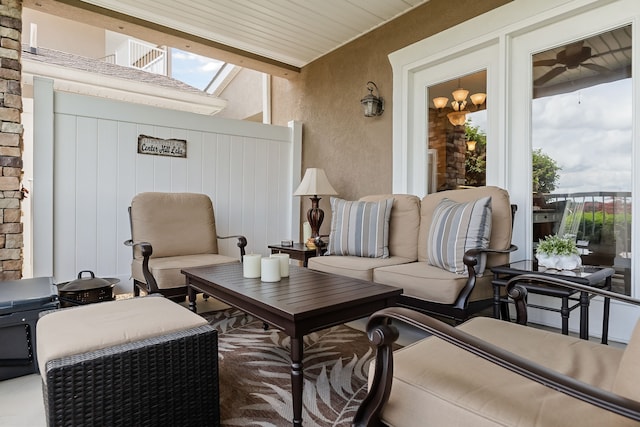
(559,262)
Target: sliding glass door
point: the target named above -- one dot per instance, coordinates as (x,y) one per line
(581,121)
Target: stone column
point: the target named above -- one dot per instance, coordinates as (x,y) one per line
(10,140)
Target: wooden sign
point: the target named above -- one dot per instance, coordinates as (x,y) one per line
(162,147)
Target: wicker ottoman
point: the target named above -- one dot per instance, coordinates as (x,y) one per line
(138,362)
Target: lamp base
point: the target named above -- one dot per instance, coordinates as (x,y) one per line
(315,216)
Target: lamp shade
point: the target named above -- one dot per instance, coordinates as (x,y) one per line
(315,182)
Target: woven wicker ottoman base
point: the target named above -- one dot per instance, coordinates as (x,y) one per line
(139,362)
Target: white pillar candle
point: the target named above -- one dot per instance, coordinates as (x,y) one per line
(270,270)
(306,232)
(251,265)
(284,264)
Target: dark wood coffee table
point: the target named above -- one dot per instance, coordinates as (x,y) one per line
(305,302)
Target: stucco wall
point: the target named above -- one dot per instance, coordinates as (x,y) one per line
(244,96)
(90,45)
(356,151)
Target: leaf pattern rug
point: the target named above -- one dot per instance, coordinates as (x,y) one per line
(255,373)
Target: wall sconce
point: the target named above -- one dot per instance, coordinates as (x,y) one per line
(373,105)
(471,145)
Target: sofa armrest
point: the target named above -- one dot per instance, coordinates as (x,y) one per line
(382,334)
(470,259)
(146,250)
(242,243)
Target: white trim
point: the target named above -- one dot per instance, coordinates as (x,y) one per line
(42,191)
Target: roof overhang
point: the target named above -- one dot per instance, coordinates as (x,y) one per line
(86,83)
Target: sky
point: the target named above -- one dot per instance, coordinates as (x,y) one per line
(192,69)
(588,134)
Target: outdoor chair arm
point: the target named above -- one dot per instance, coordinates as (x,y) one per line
(146,250)
(242,243)
(470,259)
(382,334)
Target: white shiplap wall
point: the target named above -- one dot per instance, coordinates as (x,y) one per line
(246,168)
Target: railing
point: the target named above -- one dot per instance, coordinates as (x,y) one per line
(601,221)
(142,56)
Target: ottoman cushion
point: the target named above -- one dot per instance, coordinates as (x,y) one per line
(96,326)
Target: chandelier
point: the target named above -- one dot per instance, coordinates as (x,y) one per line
(458,116)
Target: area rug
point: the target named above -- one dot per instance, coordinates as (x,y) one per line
(255,373)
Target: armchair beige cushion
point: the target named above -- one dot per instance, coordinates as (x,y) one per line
(465,390)
(181,229)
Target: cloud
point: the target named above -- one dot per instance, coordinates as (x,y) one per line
(195,70)
(589,134)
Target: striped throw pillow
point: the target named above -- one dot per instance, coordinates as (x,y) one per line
(360,228)
(456,228)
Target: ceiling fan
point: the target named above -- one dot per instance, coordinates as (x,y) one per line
(571,57)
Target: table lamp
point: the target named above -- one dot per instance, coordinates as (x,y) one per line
(315,183)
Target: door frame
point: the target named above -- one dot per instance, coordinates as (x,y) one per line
(509,83)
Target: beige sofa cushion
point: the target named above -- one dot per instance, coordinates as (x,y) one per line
(167,271)
(438,384)
(500,219)
(96,326)
(352,266)
(174,223)
(404,221)
(429,283)
(627,381)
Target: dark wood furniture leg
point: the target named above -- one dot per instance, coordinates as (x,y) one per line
(191,293)
(297,379)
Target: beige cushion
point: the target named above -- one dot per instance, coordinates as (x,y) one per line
(500,218)
(352,266)
(96,326)
(167,271)
(403,224)
(627,381)
(429,283)
(438,384)
(174,223)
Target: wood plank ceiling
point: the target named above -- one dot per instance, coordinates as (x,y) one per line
(293,32)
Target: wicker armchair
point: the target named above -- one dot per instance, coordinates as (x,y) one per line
(500,373)
(169,232)
(162,378)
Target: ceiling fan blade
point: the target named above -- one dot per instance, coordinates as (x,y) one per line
(597,68)
(549,75)
(545,62)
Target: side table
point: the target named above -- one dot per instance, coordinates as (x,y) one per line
(587,275)
(299,252)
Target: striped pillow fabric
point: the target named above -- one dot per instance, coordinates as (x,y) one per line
(360,228)
(456,228)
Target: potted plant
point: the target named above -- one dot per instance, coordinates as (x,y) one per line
(558,252)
